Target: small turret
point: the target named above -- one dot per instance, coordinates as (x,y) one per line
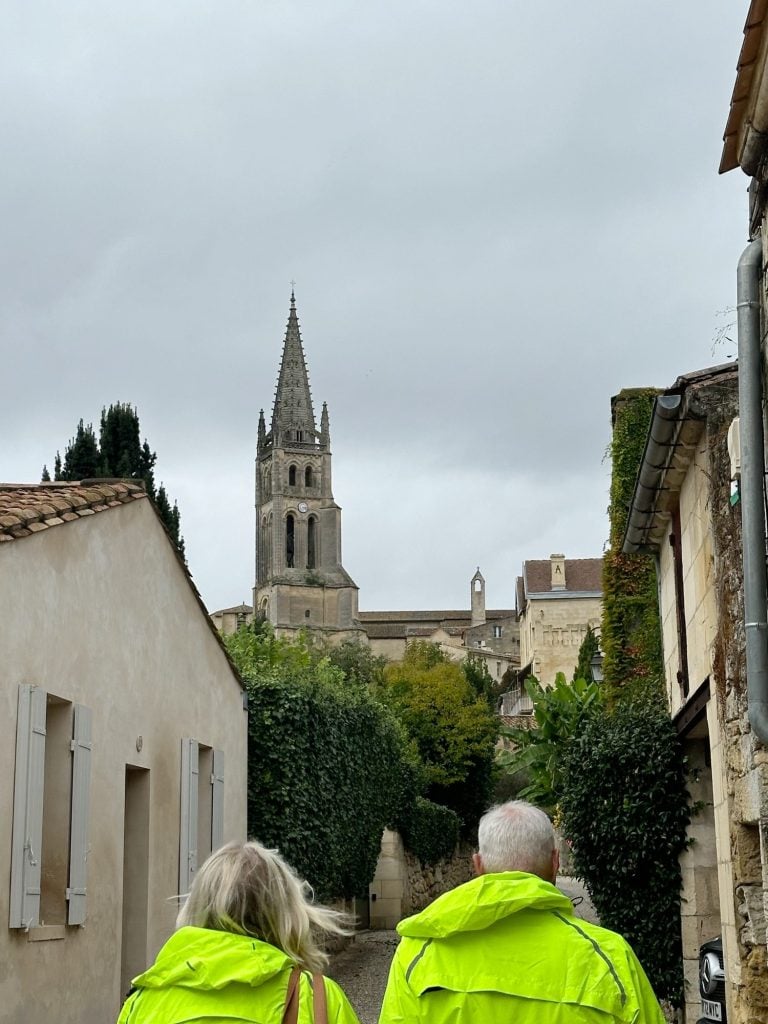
(262,435)
(325,430)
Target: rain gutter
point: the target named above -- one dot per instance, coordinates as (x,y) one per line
(671,418)
(752,485)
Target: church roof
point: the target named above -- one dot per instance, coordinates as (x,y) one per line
(394,625)
(292,410)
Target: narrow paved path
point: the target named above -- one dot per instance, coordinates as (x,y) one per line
(362,968)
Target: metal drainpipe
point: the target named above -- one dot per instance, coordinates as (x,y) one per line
(752,483)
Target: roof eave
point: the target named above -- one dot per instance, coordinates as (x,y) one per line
(747,122)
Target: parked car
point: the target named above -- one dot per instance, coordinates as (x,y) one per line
(712,982)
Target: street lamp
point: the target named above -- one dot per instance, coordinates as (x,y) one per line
(596,665)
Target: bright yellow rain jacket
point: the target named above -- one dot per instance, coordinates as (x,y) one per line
(202,975)
(507,948)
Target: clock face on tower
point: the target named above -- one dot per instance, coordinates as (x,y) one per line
(303,506)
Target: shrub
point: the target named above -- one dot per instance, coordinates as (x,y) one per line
(429,830)
(625,809)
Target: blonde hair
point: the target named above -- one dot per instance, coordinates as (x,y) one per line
(250,890)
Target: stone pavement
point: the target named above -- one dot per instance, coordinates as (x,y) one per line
(362,968)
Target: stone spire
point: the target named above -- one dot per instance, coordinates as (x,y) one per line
(325,430)
(293,418)
(262,435)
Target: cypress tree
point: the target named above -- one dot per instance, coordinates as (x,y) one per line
(119,452)
(82,459)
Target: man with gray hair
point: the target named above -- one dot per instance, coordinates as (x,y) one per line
(507,946)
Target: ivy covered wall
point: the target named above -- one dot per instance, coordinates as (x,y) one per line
(631,630)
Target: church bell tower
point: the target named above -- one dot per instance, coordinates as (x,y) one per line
(300,581)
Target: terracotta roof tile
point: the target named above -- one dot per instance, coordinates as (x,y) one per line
(30,508)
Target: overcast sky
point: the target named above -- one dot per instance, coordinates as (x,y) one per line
(497,215)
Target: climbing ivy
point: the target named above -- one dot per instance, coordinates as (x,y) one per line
(429,830)
(631,631)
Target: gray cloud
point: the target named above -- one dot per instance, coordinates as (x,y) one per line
(497,215)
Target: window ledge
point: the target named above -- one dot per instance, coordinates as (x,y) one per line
(46,932)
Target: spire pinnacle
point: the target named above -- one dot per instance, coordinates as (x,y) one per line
(293,418)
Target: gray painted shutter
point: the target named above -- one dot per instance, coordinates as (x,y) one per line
(188,823)
(217,800)
(78,832)
(27,835)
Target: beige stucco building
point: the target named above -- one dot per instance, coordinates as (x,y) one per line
(124,745)
(682,512)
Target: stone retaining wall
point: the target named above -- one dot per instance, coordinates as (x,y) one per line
(403,885)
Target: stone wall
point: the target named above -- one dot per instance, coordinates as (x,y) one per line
(403,885)
(425,882)
(744,884)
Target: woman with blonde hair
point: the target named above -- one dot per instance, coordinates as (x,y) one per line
(245,950)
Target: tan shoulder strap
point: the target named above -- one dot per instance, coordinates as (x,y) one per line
(319,1003)
(318,999)
(291,1011)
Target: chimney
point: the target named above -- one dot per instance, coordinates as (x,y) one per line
(557,565)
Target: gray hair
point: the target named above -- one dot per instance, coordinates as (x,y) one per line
(250,890)
(516,836)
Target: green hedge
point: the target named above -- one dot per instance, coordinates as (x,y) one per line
(625,810)
(429,830)
(328,768)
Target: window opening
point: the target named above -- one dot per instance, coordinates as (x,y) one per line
(290,531)
(308,482)
(291,476)
(312,543)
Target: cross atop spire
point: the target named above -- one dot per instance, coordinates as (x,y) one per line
(293,418)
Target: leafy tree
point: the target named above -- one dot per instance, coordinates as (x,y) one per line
(119,452)
(480,679)
(590,646)
(560,713)
(46,477)
(357,661)
(452,726)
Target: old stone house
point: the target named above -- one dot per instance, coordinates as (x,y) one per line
(556,600)
(685,511)
(123,745)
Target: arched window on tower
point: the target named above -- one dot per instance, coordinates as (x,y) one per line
(478,586)
(308,482)
(290,534)
(312,543)
(291,476)
(268,559)
(263,550)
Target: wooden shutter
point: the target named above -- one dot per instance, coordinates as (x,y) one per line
(217,801)
(78,832)
(27,833)
(188,822)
